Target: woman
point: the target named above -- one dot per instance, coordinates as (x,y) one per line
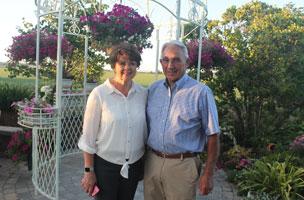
(114,130)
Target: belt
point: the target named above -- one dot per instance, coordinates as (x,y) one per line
(174,156)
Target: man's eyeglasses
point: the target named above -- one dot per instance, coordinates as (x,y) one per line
(174,61)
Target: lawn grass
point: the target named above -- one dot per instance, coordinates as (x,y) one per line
(142,78)
(20,80)
(3,73)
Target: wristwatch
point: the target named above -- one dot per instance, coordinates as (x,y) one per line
(89,169)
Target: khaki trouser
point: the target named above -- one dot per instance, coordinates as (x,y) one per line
(170,179)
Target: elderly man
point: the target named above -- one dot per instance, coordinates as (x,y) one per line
(182,118)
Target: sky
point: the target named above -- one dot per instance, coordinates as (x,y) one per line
(13,11)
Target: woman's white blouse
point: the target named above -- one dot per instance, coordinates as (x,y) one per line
(115,125)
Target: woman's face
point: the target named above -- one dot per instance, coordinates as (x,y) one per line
(124,68)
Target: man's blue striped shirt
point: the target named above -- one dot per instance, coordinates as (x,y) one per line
(180,119)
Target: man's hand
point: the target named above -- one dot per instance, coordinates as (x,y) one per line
(206,180)
(88,181)
(205,184)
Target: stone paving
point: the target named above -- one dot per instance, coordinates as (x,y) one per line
(16,184)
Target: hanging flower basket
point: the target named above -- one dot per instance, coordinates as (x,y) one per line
(35,113)
(24,47)
(213,54)
(121,24)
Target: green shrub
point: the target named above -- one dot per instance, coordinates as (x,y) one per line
(236,156)
(274,178)
(285,156)
(261,196)
(13,92)
(233,175)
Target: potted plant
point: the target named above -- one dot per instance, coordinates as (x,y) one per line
(120,24)
(37,111)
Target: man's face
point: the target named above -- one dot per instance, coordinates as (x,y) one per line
(174,63)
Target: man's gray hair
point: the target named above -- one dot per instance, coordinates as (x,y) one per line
(177,43)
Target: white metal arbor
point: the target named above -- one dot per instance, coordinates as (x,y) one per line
(53,141)
(197,14)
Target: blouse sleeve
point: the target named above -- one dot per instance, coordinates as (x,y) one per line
(91,124)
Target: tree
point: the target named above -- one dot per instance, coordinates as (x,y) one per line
(263,93)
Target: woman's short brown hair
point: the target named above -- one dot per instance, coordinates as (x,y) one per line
(124,49)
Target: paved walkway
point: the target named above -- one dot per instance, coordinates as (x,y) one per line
(15,183)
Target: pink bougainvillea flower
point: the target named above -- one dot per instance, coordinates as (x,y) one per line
(25,148)
(28,135)
(298,143)
(24,47)
(15,138)
(213,54)
(121,24)
(15,157)
(28,110)
(48,109)
(243,163)
(19,145)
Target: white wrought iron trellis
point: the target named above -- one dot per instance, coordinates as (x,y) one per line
(55,134)
(197,14)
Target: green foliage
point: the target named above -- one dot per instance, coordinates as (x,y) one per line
(260,196)
(283,156)
(263,92)
(191,31)
(236,157)
(274,178)
(94,68)
(239,152)
(233,175)
(16,69)
(10,93)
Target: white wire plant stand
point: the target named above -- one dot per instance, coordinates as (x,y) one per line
(38,117)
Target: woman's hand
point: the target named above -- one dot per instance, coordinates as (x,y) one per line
(88,181)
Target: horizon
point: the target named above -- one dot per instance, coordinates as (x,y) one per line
(26,9)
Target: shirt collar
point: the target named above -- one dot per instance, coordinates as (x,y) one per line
(111,89)
(179,83)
